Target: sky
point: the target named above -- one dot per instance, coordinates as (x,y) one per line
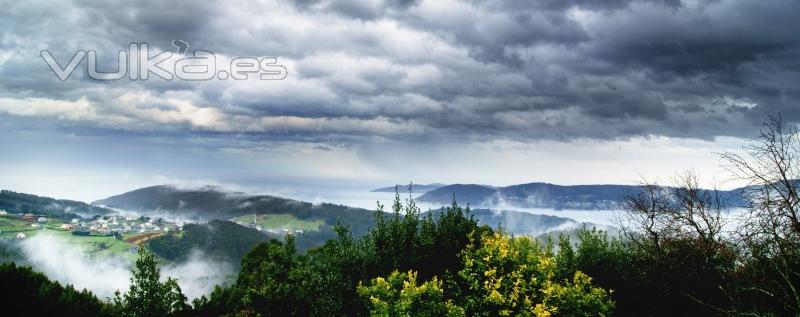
(380,92)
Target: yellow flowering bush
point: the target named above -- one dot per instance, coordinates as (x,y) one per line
(514,276)
(399,295)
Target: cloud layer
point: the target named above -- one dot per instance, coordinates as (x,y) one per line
(419,70)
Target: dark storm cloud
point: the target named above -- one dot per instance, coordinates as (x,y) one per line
(421,70)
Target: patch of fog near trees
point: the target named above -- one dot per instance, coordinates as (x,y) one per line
(608,220)
(70,264)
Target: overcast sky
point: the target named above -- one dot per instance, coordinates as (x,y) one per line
(380,92)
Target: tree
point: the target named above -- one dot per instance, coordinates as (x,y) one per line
(770,234)
(268,281)
(147,295)
(24,292)
(679,255)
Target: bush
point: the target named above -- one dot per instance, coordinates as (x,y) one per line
(515,276)
(399,295)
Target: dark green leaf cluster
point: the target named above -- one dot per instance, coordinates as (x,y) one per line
(148,296)
(24,292)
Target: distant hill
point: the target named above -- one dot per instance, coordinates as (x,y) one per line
(415,189)
(225,240)
(20,203)
(214,203)
(472,194)
(545,195)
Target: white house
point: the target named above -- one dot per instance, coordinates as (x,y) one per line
(21,235)
(42,219)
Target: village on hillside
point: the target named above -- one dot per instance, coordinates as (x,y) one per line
(134,230)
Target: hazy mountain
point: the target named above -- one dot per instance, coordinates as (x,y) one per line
(20,203)
(472,194)
(544,195)
(210,203)
(416,188)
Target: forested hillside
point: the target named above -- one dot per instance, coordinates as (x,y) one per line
(20,203)
(213,203)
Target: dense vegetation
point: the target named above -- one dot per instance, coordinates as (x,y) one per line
(224,240)
(219,239)
(673,257)
(28,293)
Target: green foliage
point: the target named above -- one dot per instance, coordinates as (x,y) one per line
(565,258)
(24,292)
(677,278)
(407,240)
(269,280)
(147,295)
(400,295)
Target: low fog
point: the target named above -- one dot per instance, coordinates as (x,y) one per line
(70,264)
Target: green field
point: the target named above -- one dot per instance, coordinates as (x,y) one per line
(95,245)
(281,221)
(12,226)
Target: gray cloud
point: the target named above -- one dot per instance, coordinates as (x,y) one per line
(418,70)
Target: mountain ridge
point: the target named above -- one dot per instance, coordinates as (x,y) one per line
(20,203)
(208,203)
(547,195)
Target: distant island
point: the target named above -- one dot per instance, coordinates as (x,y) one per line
(415,189)
(550,196)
